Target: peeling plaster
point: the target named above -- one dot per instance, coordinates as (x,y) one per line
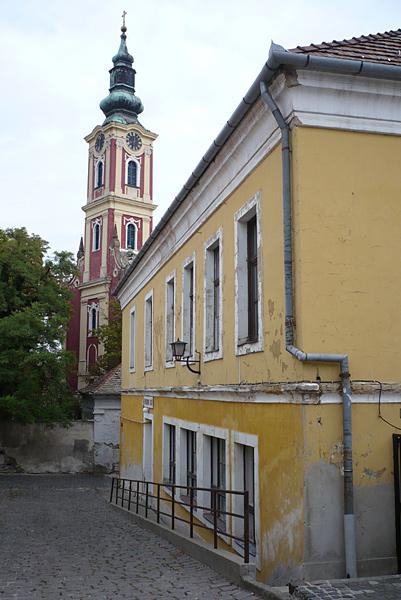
(371,474)
(283,532)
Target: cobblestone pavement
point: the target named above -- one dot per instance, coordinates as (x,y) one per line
(60,539)
(380,588)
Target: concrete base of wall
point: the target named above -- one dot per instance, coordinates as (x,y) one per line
(226,564)
(372,567)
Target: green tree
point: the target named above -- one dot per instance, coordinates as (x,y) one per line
(34,313)
(110,336)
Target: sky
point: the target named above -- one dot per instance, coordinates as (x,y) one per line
(194,61)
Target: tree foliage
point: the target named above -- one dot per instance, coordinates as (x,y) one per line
(34,313)
(110,336)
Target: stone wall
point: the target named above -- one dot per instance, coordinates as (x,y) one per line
(43,449)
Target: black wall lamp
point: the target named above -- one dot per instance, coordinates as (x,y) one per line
(178,349)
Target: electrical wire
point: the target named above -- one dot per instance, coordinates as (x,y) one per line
(380,414)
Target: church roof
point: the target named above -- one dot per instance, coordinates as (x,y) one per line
(122,105)
(384,48)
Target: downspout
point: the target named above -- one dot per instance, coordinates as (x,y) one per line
(341,359)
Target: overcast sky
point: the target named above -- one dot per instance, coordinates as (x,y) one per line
(194,61)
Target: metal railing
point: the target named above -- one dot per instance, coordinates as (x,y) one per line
(137,494)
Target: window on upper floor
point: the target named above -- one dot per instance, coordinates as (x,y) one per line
(248,292)
(96,236)
(213,305)
(149,331)
(132,173)
(99,173)
(131,236)
(170,318)
(132,340)
(188,307)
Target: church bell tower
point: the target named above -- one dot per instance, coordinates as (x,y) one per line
(118,209)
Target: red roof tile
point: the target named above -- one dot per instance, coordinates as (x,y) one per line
(383,48)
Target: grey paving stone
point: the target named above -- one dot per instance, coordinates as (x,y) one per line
(60,539)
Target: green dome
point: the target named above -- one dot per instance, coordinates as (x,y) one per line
(122,105)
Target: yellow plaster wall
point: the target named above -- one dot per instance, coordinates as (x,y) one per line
(346,236)
(347,217)
(274,364)
(280,447)
(372,439)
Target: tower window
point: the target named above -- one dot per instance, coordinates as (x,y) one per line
(93,318)
(132,173)
(131,236)
(96,236)
(99,174)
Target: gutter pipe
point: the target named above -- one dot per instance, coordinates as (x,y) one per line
(278,57)
(342,359)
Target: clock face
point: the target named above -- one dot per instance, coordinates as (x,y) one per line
(134,141)
(99,142)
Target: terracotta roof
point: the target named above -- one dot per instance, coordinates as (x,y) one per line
(109,383)
(383,48)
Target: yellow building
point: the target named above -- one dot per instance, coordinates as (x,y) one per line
(284,242)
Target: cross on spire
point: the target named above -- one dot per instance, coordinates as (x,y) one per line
(123,28)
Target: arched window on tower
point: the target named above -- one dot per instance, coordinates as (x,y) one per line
(93,319)
(99,174)
(132,173)
(96,236)
(131,236)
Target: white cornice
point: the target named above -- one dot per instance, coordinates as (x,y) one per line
(306,98)
(113,199)
(120,127)
(264,393)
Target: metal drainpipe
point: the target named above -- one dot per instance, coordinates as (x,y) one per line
(342,359)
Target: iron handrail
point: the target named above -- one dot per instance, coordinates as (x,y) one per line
(131,491)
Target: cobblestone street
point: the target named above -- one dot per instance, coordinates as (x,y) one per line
(60,539)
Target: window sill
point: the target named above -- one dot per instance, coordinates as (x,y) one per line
(136,187)
(132,370)
(169,364)
(248,347)
(148,368)
(209,355)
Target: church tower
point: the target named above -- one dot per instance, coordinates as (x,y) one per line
(118,209)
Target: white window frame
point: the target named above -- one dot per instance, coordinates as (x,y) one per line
(137,224)
(245,439)
(185,308)
(148,336)
(134,225)
(171,278)
(98,162)
(138,171)
(148,422)
(87,354)
(96,222)
(93,306)
(202,430)
(166,450)
(208,306)
(132,340)
(241,218)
